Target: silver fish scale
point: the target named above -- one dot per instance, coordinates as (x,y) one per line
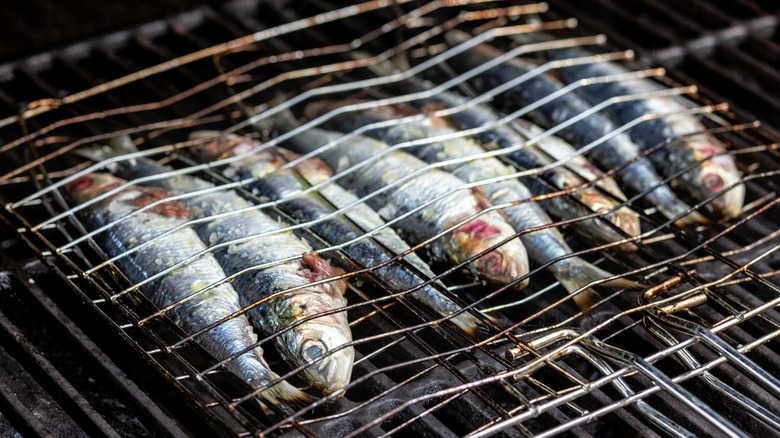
(412,193)
(366,252)
(559,149)
(417,191)
(204,309)
(264,264)
(367,219)
(542,245)
(236,257)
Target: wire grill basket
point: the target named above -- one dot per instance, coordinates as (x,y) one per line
(694,353)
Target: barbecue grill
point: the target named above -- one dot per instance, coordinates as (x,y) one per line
(86,353)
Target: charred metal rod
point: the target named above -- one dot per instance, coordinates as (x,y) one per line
(620,385)
(751,407)
(641,365)
(768,381)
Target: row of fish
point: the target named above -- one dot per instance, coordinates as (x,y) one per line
(696,162)
(439,190)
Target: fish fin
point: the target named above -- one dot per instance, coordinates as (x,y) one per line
(586,274)
(584,299)
(482,199)
(484,202)
(284,392)
(692,218)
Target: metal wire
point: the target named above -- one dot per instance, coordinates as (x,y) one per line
(471,372)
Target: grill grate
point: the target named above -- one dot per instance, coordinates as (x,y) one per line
(545,368)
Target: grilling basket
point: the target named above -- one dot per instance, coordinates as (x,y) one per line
(445,218)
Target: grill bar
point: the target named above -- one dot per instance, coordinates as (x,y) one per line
(541,404)
(152,414)
(85,415)
(683,55)
(89,409)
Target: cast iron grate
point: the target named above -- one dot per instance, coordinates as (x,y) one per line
(427,380)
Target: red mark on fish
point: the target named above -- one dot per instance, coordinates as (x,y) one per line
(479,229)
(315,268)
(79,184)
(150,195)
(709,150)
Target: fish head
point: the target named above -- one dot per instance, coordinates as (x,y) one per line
(319,344)
(90,186)
(502,265)
(715,172)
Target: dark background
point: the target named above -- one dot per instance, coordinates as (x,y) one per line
(32,26)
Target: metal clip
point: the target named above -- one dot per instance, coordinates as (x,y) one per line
(686,303)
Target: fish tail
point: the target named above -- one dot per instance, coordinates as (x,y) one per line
(585,273)
(584,298)
(281,121)
(472,325)
(118,146)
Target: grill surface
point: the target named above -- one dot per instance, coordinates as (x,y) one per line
(625,368)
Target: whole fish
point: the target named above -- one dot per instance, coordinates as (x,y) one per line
(307,341)
(688,144)
(543,246)
(613,152)
(576,172)
(201,309)
(501,265)
(287,184)
(579,171)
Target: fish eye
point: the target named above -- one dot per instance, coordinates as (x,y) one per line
(312,350)
(713,182)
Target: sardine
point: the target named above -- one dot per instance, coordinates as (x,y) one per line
(359,219)
(200,309)
(615,151)
(688,144)
(577,171)
(502,265)
(323,336)
(543,245)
